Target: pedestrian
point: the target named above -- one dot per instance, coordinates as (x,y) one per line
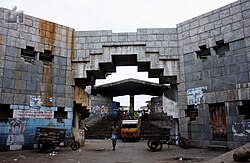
(114,134)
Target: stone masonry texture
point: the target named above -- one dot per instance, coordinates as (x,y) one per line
(171,54)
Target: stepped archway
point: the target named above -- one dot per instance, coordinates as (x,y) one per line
(96,60)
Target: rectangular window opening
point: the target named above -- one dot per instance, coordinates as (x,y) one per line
(221,48)
(28,54)
(243,110)
(46,57)
(204,53)
(60,115)
(191,112)
(5,112)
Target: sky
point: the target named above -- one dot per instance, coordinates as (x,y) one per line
(118,16)
(125,72)
(115,15)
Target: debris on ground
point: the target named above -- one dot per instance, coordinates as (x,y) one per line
(53,153)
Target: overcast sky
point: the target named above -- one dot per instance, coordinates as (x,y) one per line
(118,16)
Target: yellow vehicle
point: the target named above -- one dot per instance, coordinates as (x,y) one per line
(130,129)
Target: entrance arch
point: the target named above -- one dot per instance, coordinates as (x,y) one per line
(99,52)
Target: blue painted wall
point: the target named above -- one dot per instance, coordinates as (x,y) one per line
(30,125)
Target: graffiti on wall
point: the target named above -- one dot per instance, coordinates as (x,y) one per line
(158,109)
(241,128)
(15,138)
(194,95)
(35,102)
(99,110)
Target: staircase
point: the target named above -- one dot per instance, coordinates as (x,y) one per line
(99,130)
(218,145)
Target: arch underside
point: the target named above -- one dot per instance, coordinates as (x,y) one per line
(100,65)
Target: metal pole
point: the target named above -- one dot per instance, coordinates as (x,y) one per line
(131,107)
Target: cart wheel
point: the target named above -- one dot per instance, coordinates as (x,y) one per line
(48,147)
(184,143)
(149,143)
(75,145)
(154,145)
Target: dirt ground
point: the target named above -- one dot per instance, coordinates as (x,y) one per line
(99,151)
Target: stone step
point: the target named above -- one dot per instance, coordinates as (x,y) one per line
(214,147)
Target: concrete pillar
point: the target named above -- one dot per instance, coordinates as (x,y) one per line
(76,118)
(131,107)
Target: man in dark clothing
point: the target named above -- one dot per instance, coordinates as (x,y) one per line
(114,134)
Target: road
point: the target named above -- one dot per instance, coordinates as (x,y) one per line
(100,151)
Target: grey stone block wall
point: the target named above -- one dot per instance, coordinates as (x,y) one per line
(217,73)
(222,75)
(19,79)
(157,46)
(173,51)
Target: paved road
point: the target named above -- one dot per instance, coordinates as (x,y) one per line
(100,151)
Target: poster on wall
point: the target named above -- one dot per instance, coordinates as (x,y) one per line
(15,138)
(32,114)
(99,110)
(194,95)
(241,128)
(35,102)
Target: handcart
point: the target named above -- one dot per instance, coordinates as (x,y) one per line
(50,138)
(157,137)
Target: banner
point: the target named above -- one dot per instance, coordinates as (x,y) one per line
(32,114)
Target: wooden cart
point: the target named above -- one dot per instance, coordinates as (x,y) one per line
(159,136)
(155,133)
(49,138)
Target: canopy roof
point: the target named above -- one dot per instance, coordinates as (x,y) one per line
(130,87)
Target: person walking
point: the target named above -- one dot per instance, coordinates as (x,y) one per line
(114,134)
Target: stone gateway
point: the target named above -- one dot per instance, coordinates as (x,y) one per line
(45,68)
